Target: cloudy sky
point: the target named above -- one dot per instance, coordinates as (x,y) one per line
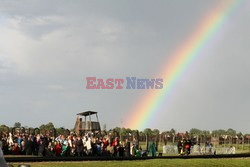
(48,48)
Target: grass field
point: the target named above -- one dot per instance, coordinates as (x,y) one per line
(239,162)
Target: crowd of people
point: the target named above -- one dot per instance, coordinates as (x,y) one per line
(184,146)
(71,145)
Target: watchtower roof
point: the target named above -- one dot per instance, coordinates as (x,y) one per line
(86,113)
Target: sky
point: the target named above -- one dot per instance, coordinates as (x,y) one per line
(48,48)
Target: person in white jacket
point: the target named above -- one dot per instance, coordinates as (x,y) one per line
(88,145)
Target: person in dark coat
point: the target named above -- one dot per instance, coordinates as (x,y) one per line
(188,146)
(179,146)
(41,148)
(79,147)
(120,152)
(127,148)
(49,150)
(36,143)
(28,146)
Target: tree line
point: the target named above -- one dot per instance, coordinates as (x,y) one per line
(146,132)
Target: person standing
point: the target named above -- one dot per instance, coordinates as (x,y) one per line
(41,148)
(58,149)
(110,149)
(152,150)
(116,144)
(89,146)
(127,148)
(179,147)
(79,147)
(28,145)
(16,149)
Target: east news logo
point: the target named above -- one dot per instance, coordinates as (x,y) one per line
(128,83)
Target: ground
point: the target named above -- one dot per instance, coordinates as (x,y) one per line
(239,162)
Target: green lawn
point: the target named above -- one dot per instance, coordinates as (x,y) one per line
(240,162)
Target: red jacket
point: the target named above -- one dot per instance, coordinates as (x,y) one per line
(58,149)
(16,150)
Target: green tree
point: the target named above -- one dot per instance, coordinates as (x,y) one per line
(206,133)
(173,131)
(156,132)
(148,132)
(218,133)
(195,132)
(129,131)
(231,132)
(48,126)
(17,125)
(117,129)
(123,133)
(239,134)
(4,128)
(60,130)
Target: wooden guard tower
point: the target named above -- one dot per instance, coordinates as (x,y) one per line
(87,125)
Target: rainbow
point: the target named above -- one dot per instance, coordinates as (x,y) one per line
(205,32)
